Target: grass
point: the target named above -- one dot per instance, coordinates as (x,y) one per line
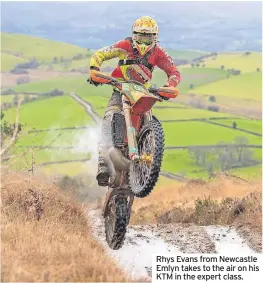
(180,162)
(185,54)
(236,61)
(42,49)
(187,196)
(47,236)
(61,111)
(200,133)
(67,66)
(10,97)
(195,76)
(8,61)
(251,173)
(44,155)
(189,113)
(65,83)
(70,169)
(55,138)
(246,86)
(250,125)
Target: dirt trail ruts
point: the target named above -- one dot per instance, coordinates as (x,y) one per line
(135,256)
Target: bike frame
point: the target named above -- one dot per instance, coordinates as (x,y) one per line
(137,102)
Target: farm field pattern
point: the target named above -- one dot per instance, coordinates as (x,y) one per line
(184,125)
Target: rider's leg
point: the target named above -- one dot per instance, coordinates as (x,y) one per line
(114,106)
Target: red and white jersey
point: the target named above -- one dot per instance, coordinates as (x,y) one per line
(139,72)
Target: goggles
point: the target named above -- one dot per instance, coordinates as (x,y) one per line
(144,38)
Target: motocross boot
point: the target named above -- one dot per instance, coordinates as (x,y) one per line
(103,175)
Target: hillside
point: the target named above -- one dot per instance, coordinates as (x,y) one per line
(60,129)
(47,226)
(247,86)
(230,26)
(44,50)
(245,62)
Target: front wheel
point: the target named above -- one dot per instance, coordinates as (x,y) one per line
(116,221)
(145,172)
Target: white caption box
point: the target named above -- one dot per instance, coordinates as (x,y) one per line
(207,268)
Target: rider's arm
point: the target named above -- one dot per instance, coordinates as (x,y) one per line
(118,49)
(165,62)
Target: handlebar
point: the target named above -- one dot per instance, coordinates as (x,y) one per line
(104,79)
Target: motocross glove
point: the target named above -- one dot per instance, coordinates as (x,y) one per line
(90,80)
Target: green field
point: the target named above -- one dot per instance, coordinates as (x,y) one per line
(194,76)
(67,66)
(8,61)
(10,97)
(40,48)
(61,111)
(185,54)
(247,86)
(200,133)
(252,173)
(64,111)
(236,61)
(250,125)
(54,138)
(188,113)
(180,162)
(65,83)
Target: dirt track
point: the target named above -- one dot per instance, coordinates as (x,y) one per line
(135,257)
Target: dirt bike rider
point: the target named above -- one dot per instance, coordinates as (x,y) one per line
(138,55)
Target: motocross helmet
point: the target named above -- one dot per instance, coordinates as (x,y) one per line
(144,34)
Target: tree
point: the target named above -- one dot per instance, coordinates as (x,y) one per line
(191,86)
(212,98)
(203,65)
(241,142)
(222,67)
(193,65)
(196,154)
(258,69)
(214,108)
(247,53)
(23,80)
(234,125)
(55,60)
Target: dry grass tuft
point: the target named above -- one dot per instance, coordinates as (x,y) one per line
(46,236)
(183,198)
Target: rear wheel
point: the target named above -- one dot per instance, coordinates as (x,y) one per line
(116,220)
(145,172)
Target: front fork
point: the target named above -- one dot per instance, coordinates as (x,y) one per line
(131,132)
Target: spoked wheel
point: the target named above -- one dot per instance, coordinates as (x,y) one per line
(116,220)
(145,172)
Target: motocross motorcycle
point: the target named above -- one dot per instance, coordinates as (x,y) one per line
(135,158)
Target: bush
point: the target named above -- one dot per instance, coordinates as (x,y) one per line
(54,92)
(214,108)
(32,64)
(18,71)
(234,125)
(78,57)
(212,98)
(23,80)
(8,91)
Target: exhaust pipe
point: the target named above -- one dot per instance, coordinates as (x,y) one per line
(120,162)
